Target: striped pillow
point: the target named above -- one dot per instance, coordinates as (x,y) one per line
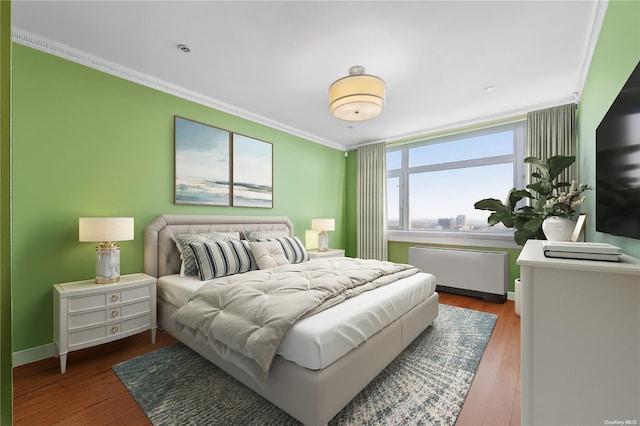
(222,258)
(188,266)
(293,249)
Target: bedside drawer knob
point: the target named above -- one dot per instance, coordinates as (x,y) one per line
(114,329)
(114,314)
(114,298)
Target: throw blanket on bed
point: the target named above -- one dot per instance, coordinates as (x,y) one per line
(244,317)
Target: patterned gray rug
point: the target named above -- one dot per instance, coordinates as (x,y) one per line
(425,385)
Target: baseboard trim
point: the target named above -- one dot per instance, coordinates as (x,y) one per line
(511,295)
(30,355)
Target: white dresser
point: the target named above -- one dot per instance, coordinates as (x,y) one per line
(580,340)
(88,314)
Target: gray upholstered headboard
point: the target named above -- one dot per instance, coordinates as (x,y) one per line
(161,256)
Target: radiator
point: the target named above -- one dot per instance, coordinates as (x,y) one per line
(476,273)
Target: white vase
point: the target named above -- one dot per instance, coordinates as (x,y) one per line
(558,228)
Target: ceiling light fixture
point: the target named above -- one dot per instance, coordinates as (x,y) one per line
(357,97)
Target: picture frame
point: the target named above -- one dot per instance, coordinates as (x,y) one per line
(579,228)
(202,163)
(252,172)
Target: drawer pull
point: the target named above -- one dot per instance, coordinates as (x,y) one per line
(114,314)
(114,298)
(114,329)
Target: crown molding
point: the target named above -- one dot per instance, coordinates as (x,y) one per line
(43,44)
(597,20)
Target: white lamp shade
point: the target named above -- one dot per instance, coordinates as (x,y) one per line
(357,97)
(98,229)
(323,224)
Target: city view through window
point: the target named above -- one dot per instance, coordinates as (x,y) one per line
(433,187)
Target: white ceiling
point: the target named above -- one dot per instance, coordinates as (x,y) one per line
(273,61)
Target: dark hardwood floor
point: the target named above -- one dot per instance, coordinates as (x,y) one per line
(90,393)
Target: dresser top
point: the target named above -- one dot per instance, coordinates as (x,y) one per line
(91,285)
(532,255)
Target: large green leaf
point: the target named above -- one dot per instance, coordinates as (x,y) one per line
(491,204)
(541,165)
(521,236)
(505,217)
(558,163)
(543,186)
(534,224)
(516,195)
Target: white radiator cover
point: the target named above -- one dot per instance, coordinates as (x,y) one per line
(475,271)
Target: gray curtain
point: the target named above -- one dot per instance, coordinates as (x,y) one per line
(552,131)
(372,202)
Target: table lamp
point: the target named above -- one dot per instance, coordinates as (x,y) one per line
(323,225)
(106,231)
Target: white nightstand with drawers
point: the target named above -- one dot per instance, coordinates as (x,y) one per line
(315,254)
(88,314)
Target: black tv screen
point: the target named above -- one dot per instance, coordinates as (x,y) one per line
(618,163)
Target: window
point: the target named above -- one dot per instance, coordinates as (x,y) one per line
(433,184)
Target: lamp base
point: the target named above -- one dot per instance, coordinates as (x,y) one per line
(107,263)
(323,242)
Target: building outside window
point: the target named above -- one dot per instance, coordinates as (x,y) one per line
(432,184)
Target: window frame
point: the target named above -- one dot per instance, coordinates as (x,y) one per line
(402,232)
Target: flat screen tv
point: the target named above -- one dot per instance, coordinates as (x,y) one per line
(618,163)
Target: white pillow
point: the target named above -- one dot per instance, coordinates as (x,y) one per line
(268,254)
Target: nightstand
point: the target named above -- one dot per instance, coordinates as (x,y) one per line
(88,314)
(315,254)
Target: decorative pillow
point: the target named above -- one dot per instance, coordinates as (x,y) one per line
(188,266)
(268,254)
(222,258)
(293,249)
(263,235)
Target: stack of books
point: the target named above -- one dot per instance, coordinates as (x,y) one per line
(589,251)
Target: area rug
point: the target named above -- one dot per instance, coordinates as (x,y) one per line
(425,385)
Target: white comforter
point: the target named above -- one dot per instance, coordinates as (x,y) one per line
(244,317)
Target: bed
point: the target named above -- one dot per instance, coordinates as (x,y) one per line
(313,394)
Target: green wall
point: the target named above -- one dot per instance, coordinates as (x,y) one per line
(90,144)
(6,382)
(616,55)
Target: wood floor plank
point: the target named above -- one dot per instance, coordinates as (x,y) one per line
(90,393)
(492,387)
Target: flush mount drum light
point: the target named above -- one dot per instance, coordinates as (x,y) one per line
(357,97)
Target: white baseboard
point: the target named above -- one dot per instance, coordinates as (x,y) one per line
(511,295)
(30,355)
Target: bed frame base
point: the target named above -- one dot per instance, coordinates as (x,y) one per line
(315,396)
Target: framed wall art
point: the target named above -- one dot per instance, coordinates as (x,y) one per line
(202,163)
(252,174)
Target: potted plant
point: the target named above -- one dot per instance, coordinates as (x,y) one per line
(546,196)
(547,200)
